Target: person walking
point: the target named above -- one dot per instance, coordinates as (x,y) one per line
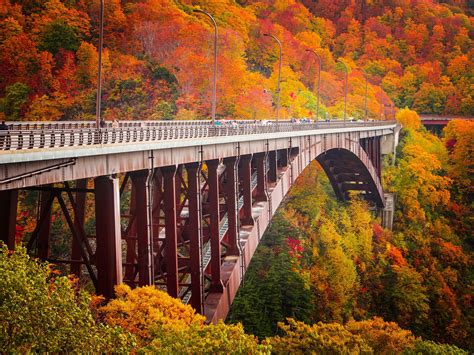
(3,133)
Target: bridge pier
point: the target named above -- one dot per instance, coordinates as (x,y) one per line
(108,234)
(272,166)
(231,190)
(195,230)
(8,213)
(144,232)
(261,189)
(79,219)
(43,247)
(214,227)
(171,226)
(245,176)
(130,236)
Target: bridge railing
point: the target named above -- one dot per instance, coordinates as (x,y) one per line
(72,134)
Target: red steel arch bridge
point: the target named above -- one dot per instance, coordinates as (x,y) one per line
(199,196)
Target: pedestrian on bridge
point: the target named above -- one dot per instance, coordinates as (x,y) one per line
(3,133)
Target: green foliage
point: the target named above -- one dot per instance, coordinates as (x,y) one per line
(16,96)
(58,35)
(300,338)
(427,347)
(40,312)
(272,289)
(210,339)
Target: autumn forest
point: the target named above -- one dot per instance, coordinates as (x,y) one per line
(326,277)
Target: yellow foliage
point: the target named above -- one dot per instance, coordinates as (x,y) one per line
(210,339)
(408,118)
(300,338)
(144,308)
(383,337)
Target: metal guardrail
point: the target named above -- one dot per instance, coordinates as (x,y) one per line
(27,136)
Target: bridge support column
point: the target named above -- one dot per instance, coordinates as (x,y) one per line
(79,219)
(261,193)
(378,156)
(43,246)
(231,165)
(213,182)
(108,234)
(142,219)
(195,235)
(283,155)
(157,204)
(171,235)
(131,239)
(272,166)
(245,173)
(8,209)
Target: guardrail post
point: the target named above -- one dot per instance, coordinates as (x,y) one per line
(108,234)
(195,235)
(8,209)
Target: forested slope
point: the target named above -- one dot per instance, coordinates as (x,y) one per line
(158,58)
(328,261)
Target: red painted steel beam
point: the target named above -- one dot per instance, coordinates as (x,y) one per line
(245,174)
(131,231)
(272,166)
(195,235)
(43,247)
(79,219)
(261,190)
(108,234)
(379,157)
(8,212)
(171,242)
(213,183)
(145,248)
(283,155)
(231,186)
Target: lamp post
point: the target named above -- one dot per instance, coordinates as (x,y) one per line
(366,89)
(382,104)
(98,118)
(345,89)
(319,80)
(279,74)
(214,82)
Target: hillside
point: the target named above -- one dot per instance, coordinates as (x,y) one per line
(158,58)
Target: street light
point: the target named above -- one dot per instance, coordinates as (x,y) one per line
(366,87)
(214,83)
(98,118)
(345,90)
(319,79)
(279,74)
(382,104)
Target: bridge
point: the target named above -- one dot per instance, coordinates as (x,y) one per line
(200,196)
(436,123)
(435,120)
